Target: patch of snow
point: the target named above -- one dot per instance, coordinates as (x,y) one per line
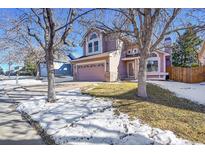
(81,119)
(10,84)
(22,82)
(194,92)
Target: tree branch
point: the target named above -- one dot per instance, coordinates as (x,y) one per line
(38,19)
(71,21)
(167,24)
(36,37)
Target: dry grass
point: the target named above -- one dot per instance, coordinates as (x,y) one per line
(162,109)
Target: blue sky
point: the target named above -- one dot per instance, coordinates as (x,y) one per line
(13,13)
(5,14)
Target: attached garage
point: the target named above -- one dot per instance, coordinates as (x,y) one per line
(91,72)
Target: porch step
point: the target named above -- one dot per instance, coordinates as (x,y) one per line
(130,78)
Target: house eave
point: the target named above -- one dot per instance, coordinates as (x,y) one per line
(129,58)
(106,54)
(165,53)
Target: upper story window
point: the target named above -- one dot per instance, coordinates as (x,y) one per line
(90,47)
(153,55)
(134,52)
(93,44)
(93,36)
(129,52)
(96,46)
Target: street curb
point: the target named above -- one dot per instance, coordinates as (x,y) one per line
(47,139)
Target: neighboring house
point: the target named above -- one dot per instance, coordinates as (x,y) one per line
(61,67)
(201,55)
(108,58)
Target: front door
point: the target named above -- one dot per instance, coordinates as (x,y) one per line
(130,69)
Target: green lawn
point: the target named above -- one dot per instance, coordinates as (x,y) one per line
(162,109)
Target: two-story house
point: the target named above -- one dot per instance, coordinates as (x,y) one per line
(108,58)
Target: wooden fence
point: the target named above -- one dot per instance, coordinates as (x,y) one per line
(188,75)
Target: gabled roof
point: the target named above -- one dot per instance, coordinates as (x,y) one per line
(101,29)
(71,56)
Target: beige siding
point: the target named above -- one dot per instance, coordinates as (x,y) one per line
(114,62)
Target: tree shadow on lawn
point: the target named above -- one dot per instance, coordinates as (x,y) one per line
(162,109)
(156,95)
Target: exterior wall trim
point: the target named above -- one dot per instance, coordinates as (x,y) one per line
(164,63)
(130,58)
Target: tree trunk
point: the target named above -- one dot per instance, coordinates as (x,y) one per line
(51,77)
(37,72)
(17,78)
(142,76)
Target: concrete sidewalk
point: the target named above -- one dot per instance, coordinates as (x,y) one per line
(14,130)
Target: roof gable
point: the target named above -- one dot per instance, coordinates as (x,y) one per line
(92,29)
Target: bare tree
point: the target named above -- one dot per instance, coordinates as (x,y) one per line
(51,30)
(14,42)
(146,28)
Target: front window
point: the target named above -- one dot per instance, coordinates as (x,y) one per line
(95,46)
(153,63)
(152,66)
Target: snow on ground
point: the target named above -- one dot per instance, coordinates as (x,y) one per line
(23,82)
(82,119)
(194,92)
(7,84)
